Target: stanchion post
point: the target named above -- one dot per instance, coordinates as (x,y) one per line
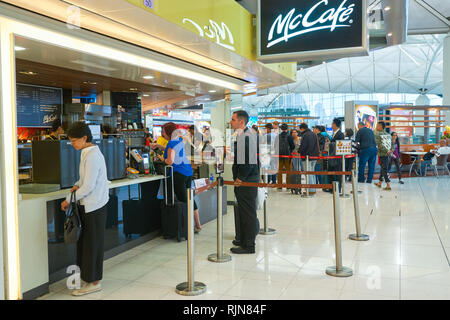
(219,256)
(339,270)
(343,194)
(355,166)
(357,236)
(307,179)
(191,287)
(266,230)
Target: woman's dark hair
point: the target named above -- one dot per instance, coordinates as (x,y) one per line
(56,124)
(349,132)
(79,130)
(322,129)
(169,128)
(398,140)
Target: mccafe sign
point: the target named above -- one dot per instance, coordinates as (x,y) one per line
(290,30)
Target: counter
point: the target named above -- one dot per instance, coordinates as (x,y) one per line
(33,238)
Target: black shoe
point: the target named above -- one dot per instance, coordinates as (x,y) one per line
(401,182)
(236,243)
(241,250)
(361,181)
(369,181)
(327,190)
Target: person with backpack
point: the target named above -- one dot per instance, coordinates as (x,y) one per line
(385,149)
(286,145)
(309,147)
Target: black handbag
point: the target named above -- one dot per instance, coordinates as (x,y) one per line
(72,223)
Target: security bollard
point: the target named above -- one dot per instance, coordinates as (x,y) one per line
(357,236)
(191,287)
(219,256)
(266,230)
(306,195)
(338,270)
(343,194)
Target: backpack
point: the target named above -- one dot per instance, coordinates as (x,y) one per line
(283,146)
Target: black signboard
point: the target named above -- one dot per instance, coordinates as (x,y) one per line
(37,106)
(311,28)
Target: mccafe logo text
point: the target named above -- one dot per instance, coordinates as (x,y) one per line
(293,25)
(219,33)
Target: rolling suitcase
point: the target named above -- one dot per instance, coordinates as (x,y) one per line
(173,213)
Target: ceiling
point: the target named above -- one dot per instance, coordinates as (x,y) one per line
(85,74)
(406,68)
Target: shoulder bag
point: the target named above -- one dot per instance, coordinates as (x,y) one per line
(72,222)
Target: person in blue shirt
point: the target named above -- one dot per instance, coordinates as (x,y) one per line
(174,155)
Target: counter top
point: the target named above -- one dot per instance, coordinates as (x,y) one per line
(64,192)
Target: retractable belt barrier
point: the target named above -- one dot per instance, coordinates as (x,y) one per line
(207,187)
(313,158)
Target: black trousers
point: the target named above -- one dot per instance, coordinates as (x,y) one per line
(90,246)
(335,165)
(180,185)
(397,166)
(246,203)
(384,161)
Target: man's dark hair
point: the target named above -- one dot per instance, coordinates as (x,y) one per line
(284,127)
(243,115)
(382,124)
(79,130)
(192,127)
(349,132)
(337,122)
(269,126)
(322,129)
(56,124)
(303,126)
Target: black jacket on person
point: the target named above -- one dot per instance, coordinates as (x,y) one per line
(321,139)
(246,160)
(309,145)
(335,164)
(284,144)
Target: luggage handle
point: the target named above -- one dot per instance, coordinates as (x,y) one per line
(165,186)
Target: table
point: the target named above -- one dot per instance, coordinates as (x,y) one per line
(419,155)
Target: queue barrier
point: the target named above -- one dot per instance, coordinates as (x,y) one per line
(266,230)
(191,287)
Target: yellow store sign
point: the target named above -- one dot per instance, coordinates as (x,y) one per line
(224,22)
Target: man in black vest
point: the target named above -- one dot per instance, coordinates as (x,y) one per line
(335,164)
(245,169)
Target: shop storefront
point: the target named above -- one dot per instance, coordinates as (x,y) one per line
(103,58)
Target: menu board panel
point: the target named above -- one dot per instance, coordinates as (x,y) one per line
(37,106)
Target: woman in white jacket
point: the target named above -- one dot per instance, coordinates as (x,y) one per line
(93,193)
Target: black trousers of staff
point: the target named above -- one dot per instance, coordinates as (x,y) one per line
(90,245)
(247,224)
(335,165)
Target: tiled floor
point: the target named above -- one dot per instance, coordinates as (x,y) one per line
(407,256)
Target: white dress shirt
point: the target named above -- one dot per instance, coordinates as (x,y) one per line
(93,192)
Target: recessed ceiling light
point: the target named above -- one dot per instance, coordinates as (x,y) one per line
(133,89)
(90,82)
(148,77)
(387,8)
(146,95)
(212,91)
(93,65)
(28,73)
(389,34)
(18,48)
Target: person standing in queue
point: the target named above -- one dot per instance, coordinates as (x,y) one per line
(245,169)
(175,156)
(385,149)
(92,191)
(284,144)
(335,164)
(367,146)
(309,147)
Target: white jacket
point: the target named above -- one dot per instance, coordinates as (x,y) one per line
(93,185)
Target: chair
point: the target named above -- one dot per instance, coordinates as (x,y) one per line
(441,164)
